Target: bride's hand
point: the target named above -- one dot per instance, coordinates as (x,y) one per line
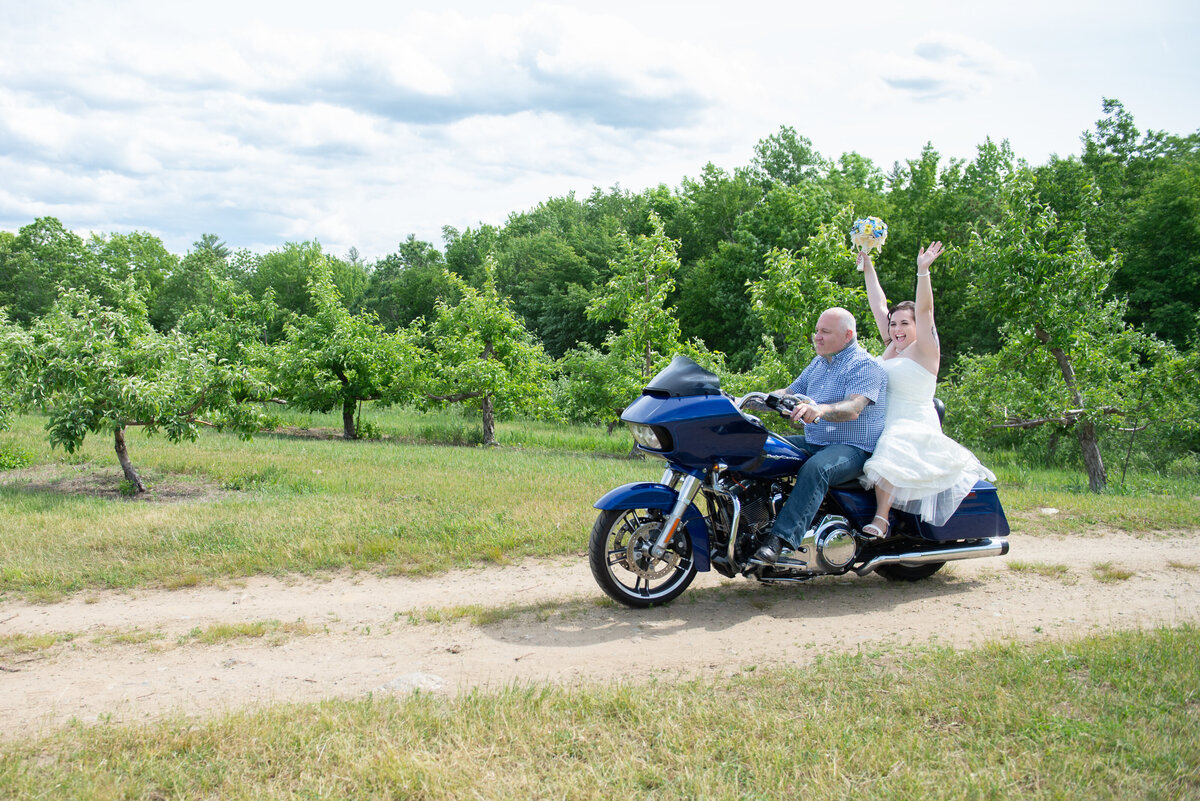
(928,256)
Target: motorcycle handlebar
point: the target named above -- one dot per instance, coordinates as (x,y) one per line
(783,404)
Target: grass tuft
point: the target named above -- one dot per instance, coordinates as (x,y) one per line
(1107,573)
(1043,569)
(272,630)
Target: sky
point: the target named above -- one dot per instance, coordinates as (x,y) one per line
(359,122)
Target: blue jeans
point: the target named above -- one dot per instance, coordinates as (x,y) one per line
(827,465)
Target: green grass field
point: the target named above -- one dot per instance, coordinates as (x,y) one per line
(1107,717)
(303,502)
(1115,716)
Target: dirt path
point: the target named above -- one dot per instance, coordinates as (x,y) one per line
(358,636)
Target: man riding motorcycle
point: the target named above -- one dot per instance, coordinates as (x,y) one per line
(841,427)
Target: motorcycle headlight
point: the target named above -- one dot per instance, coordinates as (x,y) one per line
(648,437)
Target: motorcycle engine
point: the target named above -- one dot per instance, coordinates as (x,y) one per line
(760,503)
(832,543)
(756,515)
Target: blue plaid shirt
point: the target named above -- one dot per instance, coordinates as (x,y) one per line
(852,371)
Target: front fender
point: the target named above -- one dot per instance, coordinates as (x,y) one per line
(648,495)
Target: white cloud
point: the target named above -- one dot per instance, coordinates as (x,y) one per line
(948,66)
(359,124)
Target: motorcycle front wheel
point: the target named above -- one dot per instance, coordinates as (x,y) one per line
(623,566)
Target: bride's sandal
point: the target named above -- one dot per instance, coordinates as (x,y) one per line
(874,531)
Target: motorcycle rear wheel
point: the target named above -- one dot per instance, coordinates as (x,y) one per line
(621,562)
(909,572)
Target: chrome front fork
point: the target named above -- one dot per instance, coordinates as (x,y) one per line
(687,489)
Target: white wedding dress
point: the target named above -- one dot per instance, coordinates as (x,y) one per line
(928,473)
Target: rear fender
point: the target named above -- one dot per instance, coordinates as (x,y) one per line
(647,495)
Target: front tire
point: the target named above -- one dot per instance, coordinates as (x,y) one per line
(621,562)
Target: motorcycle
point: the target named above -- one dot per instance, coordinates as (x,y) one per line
(727,477)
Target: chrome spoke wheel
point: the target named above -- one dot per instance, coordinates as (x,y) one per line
(622,562)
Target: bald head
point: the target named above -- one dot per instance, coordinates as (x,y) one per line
(836,328)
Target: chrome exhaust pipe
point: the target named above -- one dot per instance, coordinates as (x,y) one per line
(993,546)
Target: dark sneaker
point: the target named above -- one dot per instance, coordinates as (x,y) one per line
(769,551)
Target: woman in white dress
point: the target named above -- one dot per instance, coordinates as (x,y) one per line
(915,467)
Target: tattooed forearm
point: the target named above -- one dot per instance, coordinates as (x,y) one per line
(843,411)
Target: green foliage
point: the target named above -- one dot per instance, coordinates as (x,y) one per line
(797,287)
(406,285)
(593,386)
(787,158)
(713,296)
(13,456)
(96,369)
(285,273)
(482,355)
(1068,359)
(41,257)
(198,280)
(138,256)
(636,296)
(333,359)
(1160,273)
(596,387)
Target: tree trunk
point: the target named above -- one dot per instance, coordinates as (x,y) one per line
(348,429)
(1097,475)
(1085,430)
(123,457)
(489,420)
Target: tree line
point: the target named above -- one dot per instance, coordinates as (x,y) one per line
(1067,303)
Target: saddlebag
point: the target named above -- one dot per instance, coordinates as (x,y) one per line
(977,517)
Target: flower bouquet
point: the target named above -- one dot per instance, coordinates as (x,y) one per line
(867,234)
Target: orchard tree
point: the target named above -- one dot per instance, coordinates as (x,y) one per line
(483,356)
(16,363)
(636,300)
(333,359)
(1068,359)
(99,370)
(793,291)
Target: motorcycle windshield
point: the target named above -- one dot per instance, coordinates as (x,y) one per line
(683,378)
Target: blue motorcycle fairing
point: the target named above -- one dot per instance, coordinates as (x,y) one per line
(703,429)
(649,495)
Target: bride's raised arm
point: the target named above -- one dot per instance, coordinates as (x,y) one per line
(927,338)
(875,295)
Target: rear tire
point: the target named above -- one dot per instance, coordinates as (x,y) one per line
(621,562)
(909,572)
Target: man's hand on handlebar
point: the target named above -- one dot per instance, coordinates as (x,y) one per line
(806,412)
(797,408)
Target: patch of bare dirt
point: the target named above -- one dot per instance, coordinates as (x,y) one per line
(363,633)
(107,482)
